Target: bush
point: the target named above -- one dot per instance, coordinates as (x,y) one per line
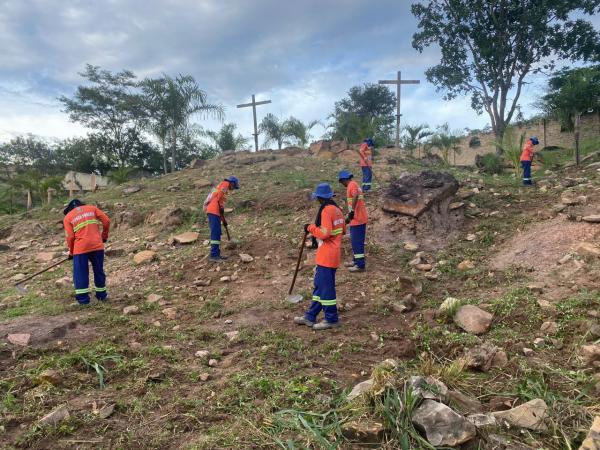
(491,163)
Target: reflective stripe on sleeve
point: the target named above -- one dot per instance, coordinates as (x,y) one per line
(337,231)
(84,224)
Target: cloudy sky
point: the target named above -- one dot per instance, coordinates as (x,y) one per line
(302,55)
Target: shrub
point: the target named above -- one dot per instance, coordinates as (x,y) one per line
(492,163)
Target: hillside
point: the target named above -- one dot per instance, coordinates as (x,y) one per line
(193,356)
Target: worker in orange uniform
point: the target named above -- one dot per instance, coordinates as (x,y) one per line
(329,227)
(357,220)
(527,158)
(214,206)
(366,163)
(86,245)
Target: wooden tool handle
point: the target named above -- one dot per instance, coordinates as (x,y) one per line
(302,243)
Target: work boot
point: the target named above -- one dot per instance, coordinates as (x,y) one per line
(216,259)
(301,320)
(324,325)
(349,264)
(356,269)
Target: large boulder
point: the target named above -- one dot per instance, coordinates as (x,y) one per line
(413,194)
(592,441)
(441,426)
(127,219)
(167,217)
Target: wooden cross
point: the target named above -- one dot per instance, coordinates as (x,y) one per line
(398,82)
(254,104)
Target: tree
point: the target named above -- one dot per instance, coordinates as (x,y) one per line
(29,152)
(445,141)
(571,92)
(415,135)
(173,103)
(274,130)
(367,111)
(112,107)
(226,139)
(299,130)
(489,48)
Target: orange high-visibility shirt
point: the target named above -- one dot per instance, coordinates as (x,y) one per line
(83,231)
(333,227)
(218,198)
(360,212)
(527,154)
(366,157)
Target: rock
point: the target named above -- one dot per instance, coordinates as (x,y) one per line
(225,279)
(481,357)
(154,298)
(170,313)
(203,283)
(246,258)
(592,441)
(232,335)
(441,426)
(186,238)
(455,205)
(411,246)
(527,352)
(472,319)
(530,415)
(424,267)
(49,376)
(143,257)
(589,353)
(466,265)
(363,431)
(201,184)
(202,354)
(132,190)
(471,237)
(157,376)
(549,328)
(360,389)
(204,376)
(167,217)
(497,442)
(174,187)
(537,288)
(544,304)
(463,403)
(537,342)
(565,259)
(428,388)
(413,194)
(132,309)
(106,411)
(482,420)
(213,363)
(594,218)
(45,257)
(114,252)
(55,416)
(21,339)
(588,249)
(500,359)
(568,201)
(18,277)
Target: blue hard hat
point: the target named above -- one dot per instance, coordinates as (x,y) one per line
(72,205)
(323,190)
(345,175)
(371,142)
(235,183)
(534,140)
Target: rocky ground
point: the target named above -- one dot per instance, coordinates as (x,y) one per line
(476,325)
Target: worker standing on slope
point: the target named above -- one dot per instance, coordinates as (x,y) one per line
(329,227)
(214,206)
(86,245)
(366,163)
(356,219)
(527,158)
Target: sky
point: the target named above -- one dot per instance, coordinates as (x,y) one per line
(302,55)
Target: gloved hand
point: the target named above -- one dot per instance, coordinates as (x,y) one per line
(313,243)
(350,217)
(306,228)
(104,240)
(70,257)
(224,221)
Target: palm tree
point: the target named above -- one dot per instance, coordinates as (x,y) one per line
(444,140)
(299,130)
(225,138)
(274,130)
(175,101)
(415,136)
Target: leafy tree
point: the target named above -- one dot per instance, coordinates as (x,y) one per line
(367,111)
(226,139)
(489,48)
(571,92)
(445,141)
(79,154)
(112,107)
(299,130)
(28,152)
(173,103)
(414,135)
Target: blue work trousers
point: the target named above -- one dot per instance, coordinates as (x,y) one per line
(81,276)
(324,297)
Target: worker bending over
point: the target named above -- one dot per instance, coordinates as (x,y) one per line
(356,219)
(527,158)
(329,227)
(214,206)
(86,245)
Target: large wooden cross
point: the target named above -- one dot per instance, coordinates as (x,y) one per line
(398,82)
(254,104)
